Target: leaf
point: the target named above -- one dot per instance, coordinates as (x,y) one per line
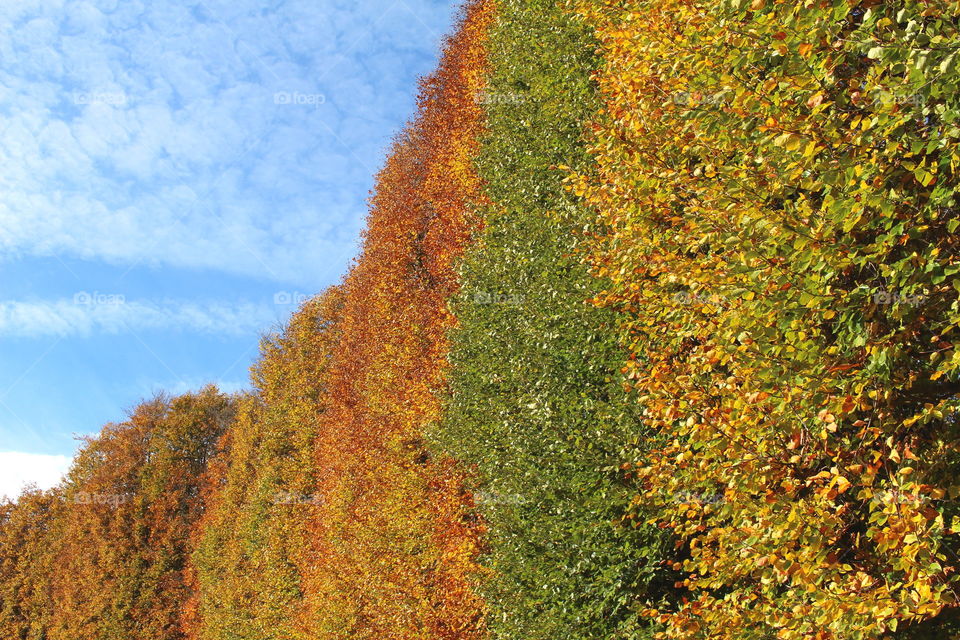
(947,65)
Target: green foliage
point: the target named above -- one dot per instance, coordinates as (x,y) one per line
(535,403)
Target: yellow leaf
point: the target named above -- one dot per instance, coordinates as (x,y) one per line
(842,484)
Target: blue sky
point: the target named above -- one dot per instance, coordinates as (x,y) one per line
(177,176)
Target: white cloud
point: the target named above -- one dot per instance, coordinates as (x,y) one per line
(18,469)
(107,313)
(120,110)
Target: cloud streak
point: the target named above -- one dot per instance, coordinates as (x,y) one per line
(87,314)
(169,150)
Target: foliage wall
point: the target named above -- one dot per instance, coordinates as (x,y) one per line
(651,336)
(251,550)
(536,404)
(394,544)
(777,184)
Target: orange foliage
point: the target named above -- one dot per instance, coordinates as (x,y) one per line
(26,563)
(394,542)
(120,542)
(310,508)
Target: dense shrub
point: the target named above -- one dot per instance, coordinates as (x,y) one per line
(393,546)
(778,185)
(252,546)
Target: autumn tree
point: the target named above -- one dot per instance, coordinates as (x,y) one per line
(121,539)
(27,563)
